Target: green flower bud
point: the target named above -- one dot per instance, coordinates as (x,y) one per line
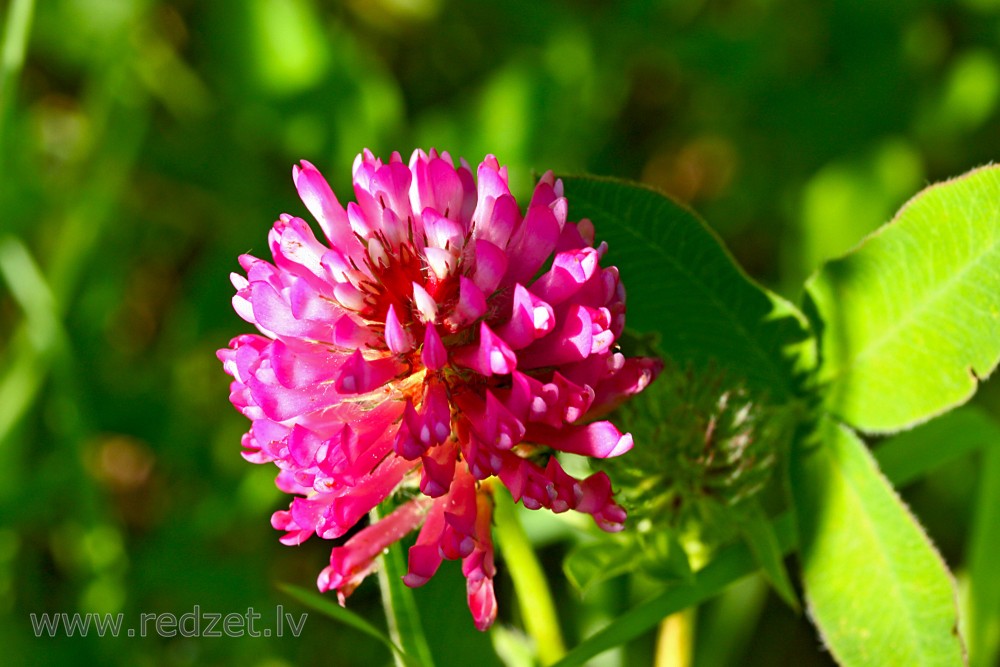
(705,443)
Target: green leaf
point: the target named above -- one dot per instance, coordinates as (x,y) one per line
(736,562)
(759,535)
(905,457)
(910,320)
(682,283)
(876,588)
(594,562)
(338,613)
(658,553)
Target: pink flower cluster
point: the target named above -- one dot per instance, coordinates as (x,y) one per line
(429,343)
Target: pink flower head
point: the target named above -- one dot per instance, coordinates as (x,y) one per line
(437,338)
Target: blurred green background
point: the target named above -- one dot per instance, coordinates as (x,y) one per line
(144,145)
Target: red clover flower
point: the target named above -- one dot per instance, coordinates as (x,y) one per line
(430,343)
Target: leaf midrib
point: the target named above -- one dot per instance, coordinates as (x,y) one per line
(913,634)
(904,323)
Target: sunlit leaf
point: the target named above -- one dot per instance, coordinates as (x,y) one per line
(911,319)
(876,588)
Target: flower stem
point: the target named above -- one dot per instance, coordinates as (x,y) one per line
(533,594)
(401,614)
(15,43)
(675,643)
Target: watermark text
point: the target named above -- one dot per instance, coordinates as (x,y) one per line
(195,623)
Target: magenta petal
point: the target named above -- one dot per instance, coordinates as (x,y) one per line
(596,500)
(482,603)
(297,247)
(280,403)
(397,339)
(598,439)
(360,375)
(391,187)
(442,232)
(491,264)
(308,304)
(436,414)
(434,355)
(457,538)
(438,470)
(530,318)
(497,222)
(425,556)
(572,340)
(427,308)
(634,376)
(304,365)
(407,442)
(491,356)
(275,315)
(316,194)
(479,569)
(441,262)
(303,445)
(355,559)
(531,245)
(499,427)
(470,307)
(570,271)
(436,185)
(491,185)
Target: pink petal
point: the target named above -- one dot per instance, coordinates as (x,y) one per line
(397,339)
(570,271)
(530,319)
(316,194)
(572,340)
(491,356)
(355,559)
(360,375)
(490,266)
(425,556)
(470,307)
(434,355)
(426,307)
(597,439)
(497,222)
(532,243)
(438,470)
(391,183)
(436,185)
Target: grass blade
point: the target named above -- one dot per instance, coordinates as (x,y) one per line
(336,612)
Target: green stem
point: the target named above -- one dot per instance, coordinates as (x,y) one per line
(983,615)
(533,594)
(401,613)
(675,643)
(15,43)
